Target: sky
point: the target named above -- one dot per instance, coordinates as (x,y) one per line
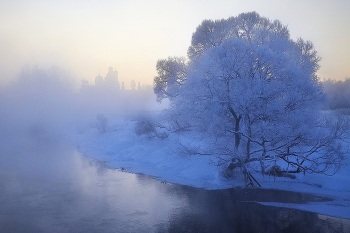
(85,37)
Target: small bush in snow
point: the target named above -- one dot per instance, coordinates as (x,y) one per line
(149,128)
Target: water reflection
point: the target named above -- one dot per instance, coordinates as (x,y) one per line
(49,187)
(218,212)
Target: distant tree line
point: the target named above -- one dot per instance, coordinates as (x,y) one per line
(337,93)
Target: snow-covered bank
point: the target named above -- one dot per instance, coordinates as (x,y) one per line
(120,147)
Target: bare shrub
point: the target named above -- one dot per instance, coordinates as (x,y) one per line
(148,127)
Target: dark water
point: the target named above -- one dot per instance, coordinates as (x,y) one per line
(46,186)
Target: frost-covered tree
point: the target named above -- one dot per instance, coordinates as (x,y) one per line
(171,75)
(253,93)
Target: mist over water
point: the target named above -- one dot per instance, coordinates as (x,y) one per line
(42,108)
(38,112)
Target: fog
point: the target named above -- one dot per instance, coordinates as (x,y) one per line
(45,103)
(338,95)
(40,169)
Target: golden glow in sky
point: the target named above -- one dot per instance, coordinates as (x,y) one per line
(86,37)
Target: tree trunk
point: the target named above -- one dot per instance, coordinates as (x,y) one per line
(237,128)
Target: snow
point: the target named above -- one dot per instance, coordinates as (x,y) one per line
(121,148)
